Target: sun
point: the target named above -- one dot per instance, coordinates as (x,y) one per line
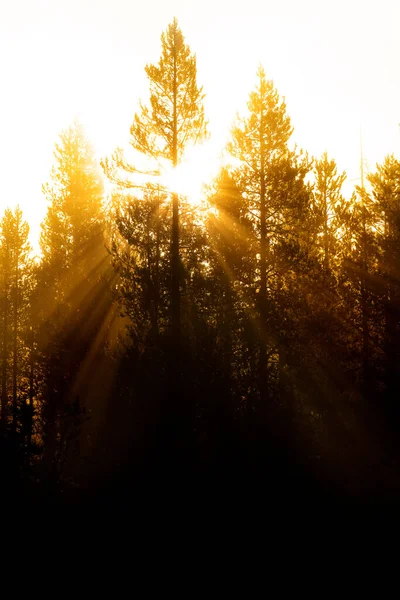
(199,166)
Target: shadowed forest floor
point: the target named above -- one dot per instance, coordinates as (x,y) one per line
(244,473)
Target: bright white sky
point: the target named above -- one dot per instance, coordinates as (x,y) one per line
(336,63)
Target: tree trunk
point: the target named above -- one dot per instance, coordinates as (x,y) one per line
(263,278)
(157,270)
(4,396)
(390,320)
(15,342)
(364,310)
(175,266)
(326,232)
(31,381)
(176,425)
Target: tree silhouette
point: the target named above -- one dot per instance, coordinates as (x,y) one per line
(74,299)
(164,129)
(260,142)
(329,206)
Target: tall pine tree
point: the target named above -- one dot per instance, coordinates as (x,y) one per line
(164,129)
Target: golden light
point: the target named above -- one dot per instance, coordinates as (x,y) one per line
(199,166)
(48,44)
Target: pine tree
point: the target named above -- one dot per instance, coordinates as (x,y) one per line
(72,232)
(229,278)
(329,207)
(147,261)
(272,178)
(74,299)
(139,249)
(385,184)
(163,130)
(16,272)
(5,301)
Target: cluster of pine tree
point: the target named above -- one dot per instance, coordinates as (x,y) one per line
(255,337)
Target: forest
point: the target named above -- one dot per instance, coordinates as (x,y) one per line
(247,344)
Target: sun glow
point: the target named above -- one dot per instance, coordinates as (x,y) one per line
(62,62)
(198,167)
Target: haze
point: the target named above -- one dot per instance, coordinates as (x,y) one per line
(335,63)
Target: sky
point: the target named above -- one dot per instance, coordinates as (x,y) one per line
(336,64)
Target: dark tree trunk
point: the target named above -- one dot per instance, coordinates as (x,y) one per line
(364,311)
(175,262)
(326,232)
(263,279)
(4,395)
(15,344)
(31,392)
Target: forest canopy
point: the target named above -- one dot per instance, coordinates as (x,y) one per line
(255,334)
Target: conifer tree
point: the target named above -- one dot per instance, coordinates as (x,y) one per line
(72,229)
(164,129)
(229,278)
(139,249)
(73,295)
(385,184)
(272,178)
(16,275)
(329,206)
